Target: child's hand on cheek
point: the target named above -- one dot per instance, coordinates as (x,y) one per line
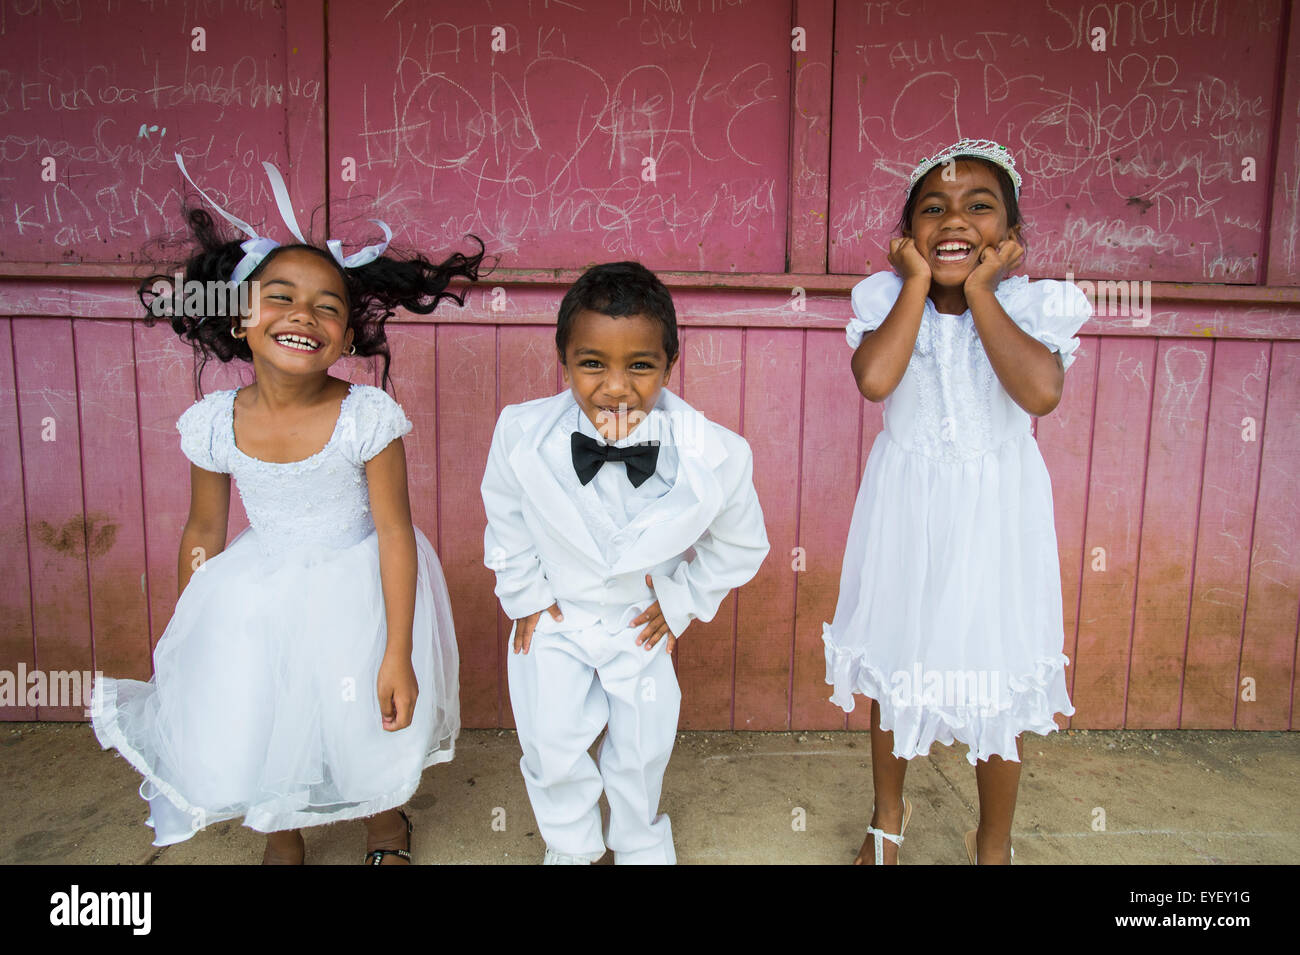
(995,265)
(656,627)
(908,261)
(398,691)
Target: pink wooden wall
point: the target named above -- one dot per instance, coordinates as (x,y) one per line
(1152,455)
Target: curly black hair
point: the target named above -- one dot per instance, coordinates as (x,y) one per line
(618,289)
(374,292)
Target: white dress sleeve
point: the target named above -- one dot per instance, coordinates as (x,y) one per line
(372,421)
(1049,310)
(872,298)
(202,438)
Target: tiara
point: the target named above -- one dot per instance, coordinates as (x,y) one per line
(981,148)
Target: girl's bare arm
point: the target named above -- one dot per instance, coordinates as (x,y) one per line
(390,507)
(1031,373)
(882,357)
(205,529)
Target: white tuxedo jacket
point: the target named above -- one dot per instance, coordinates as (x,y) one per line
(705,536)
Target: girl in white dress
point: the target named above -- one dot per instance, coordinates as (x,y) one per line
(949,614)
(309,673)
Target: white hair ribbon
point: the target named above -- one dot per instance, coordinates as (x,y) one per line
(363,256)
(258,247)
(255,250)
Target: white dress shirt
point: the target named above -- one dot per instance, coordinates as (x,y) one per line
(609,504)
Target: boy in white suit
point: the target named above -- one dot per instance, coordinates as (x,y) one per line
(617,514)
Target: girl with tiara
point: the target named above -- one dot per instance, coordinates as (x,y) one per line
(309,672)
(949,614)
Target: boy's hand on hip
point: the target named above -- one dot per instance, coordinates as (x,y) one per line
(525,625)
(656,627)
(398,690)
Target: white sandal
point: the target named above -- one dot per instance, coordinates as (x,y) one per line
(895,839)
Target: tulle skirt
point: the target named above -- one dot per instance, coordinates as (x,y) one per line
(263,702)
(949,612)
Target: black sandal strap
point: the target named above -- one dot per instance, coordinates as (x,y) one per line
(376,857)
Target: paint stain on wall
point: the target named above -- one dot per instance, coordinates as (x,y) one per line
(90,535)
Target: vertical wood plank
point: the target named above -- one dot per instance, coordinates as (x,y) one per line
(1268,652)
(45,374)
(715,383)
(766,621)
(810,138)
(1113,530)
(110,444)
(832,417)
(413,347)
(467,401)
(1065,440)
(1168,546)
(526,369)
(1238,390)
(17,647)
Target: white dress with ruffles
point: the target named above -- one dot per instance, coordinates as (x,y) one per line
(949,612)
(263,702)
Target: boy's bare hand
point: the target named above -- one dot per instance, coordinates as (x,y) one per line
(524,627)
(656,627)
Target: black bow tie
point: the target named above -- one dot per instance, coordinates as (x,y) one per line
(589,455)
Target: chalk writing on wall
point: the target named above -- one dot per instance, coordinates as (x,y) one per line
(1148,159)
(654,130)
(95,100)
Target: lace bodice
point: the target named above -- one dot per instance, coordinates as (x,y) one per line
(321,500)
(949,405)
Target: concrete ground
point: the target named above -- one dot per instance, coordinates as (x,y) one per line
(1124,797)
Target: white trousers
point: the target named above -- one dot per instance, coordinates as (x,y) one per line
(567,688)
